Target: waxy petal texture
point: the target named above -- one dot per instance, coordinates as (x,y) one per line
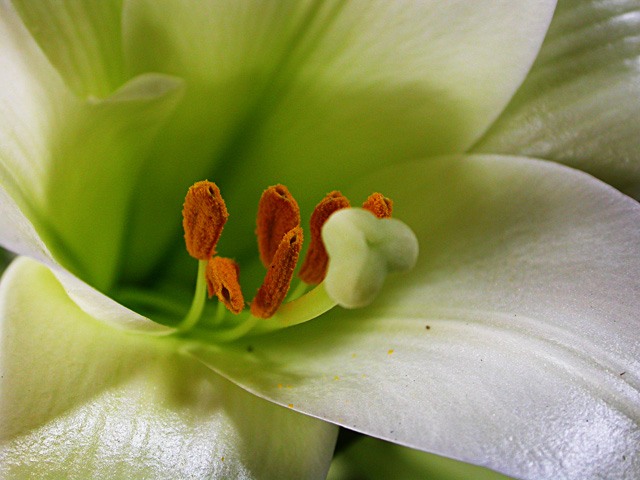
(80,400)
(513,344)
(579,104)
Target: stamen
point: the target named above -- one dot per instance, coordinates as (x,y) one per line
(197,304)
(204,215)
(314,268)
(278,280)
(379,205)
(278,213)
(222,280)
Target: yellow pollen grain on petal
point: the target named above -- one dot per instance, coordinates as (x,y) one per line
(279,385)
(379,205)
(314,267)
(291,405)
(278,213)
(223,281)
(335,378)
(390,352)
(276,284)
(203,217)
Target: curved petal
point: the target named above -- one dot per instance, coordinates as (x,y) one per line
(513,344)
(71,166)
(580,104)
(83,40)
(285,91)
(82,400)
(19,236)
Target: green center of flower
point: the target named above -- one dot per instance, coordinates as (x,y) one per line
(349,255)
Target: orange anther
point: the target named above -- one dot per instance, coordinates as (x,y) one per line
(379,205)
(276,284)
(278,213)
(203,218)
(222,280)
(314,268)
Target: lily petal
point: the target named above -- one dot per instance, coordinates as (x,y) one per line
(83,41)
(72,165)
(284,91)
(513,344)
(82,400)
(580,103)
(19,235)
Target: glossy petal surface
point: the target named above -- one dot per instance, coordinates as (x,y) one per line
(81,400)
(513,344)
(580,104)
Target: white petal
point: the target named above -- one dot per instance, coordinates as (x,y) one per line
(513,344)
(81,400)
(580,104)
(311,93)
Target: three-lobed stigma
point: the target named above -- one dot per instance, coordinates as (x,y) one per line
(280,239)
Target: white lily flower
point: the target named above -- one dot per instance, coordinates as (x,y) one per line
(512,344)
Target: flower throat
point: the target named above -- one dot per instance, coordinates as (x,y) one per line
(280,240)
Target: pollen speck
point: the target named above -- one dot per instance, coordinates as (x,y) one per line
(353,356)
(289,386)
(279,385)
(314,267)
(335,378)
(222,280)
(390,352)
(278,213)
(203,218)
(291,405)
(379,205)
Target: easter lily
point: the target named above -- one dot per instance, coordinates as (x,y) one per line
(512,344)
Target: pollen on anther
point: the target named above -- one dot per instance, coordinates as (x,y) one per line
(314,267)
(278,279)
(203,218)
(379,205)
(278,213)
(222,276)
